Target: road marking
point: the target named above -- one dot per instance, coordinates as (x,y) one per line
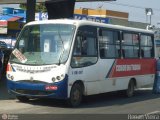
(154,112)
(150,88)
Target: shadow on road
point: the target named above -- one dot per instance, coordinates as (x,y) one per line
(107,99)
(116,98)
(4,95)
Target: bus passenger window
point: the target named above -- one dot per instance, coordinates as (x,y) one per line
(130,45)
(109,44)
(147,46)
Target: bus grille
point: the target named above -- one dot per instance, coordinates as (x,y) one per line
(33,92)
(32,81)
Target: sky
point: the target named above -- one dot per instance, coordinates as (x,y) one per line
(135,8)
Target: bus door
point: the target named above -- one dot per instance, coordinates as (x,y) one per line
(85,57)
(109,53)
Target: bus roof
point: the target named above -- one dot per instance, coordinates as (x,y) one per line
(85,22)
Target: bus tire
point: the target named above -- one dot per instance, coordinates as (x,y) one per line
(22,98)
(130,89)
(75,95)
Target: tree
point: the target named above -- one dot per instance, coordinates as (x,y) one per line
(40,7)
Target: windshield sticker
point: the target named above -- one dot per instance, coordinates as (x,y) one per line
(19,56)
(47,45)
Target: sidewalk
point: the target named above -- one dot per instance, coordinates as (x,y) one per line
(4,95)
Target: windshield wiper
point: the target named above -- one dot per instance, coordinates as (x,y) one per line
(60,57)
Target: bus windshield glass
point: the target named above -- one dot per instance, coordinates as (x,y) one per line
(43,44)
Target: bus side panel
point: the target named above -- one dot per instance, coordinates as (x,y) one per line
(94,77)
(105,83)
(112,75)
(145,80)
(133,67)
(88,75)
(115,75)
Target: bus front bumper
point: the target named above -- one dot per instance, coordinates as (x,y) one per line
(56,90)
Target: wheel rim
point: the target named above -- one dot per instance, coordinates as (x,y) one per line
(130,89)
(76,96)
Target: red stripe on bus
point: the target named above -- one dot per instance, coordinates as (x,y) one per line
(132,67)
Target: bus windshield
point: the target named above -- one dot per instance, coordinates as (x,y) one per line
(44,44)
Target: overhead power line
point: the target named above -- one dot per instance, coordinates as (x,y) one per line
(127,5)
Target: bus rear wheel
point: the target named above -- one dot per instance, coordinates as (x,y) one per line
(22,98)
(131,88)
(75,95)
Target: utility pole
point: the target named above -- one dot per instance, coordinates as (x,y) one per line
(30,15)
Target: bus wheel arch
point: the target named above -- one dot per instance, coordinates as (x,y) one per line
(76,94)
(131,87)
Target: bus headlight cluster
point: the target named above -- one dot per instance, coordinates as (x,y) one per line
(10,77)
(58,78)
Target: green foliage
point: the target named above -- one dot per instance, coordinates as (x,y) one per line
(40,7)
(23,6)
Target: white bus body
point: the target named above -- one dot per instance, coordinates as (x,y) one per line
(75,58)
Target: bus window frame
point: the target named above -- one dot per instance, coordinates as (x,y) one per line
(122,38)
(153,45)
(81,33)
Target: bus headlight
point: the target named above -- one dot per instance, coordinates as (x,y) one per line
(10,77)
(58,78)
(53,79)
(61,77)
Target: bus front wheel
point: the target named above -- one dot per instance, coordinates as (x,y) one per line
(75,95)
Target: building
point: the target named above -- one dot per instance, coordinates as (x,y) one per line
(102,13)
(11,22)
(114,17)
